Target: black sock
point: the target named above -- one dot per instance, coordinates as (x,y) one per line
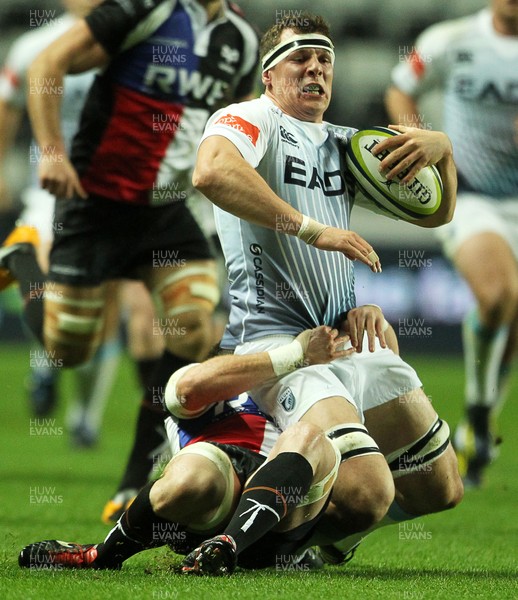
(272,491)
(150,433)
(145,370)
(139,529)
(24,266)
(478,416)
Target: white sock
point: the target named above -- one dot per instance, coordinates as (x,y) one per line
(483,354)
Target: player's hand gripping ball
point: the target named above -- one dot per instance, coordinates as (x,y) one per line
(419,198)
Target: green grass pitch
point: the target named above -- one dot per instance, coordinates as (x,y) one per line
(470,552)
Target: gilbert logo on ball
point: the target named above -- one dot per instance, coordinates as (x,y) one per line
(419,198)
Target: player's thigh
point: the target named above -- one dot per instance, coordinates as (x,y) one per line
(73,321)
(488,264)
(187,296)
(199,486)
(416,445)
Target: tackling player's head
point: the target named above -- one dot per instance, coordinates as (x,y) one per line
(297,57)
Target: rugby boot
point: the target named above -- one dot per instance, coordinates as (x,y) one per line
(42,389)
(55,554)
(23,238)
(216,556)
(474,445)
(117,505)
(331,555)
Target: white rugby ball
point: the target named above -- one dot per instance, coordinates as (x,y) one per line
(419,198)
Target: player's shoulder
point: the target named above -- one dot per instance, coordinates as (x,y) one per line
(446,33)
(25,48)
(341,133)
(256,109)
(238,18)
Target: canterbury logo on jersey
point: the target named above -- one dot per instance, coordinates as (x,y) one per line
(188,83)
(288,137)
(296,172)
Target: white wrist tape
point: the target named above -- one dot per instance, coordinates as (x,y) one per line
(287,358)
(310,230)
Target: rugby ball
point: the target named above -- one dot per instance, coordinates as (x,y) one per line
(419,198)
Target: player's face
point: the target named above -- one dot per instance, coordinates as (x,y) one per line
(301,83)
(507,9)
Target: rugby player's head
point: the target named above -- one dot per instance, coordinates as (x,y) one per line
(297,57)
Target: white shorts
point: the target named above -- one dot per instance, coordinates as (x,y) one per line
(38,211)
(366,380)
(475,214)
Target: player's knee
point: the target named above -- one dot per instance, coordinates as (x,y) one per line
(498,303)
(365,502)
(70,338)
(185,493)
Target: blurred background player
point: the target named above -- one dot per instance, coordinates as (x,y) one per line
(94,379)
(121,198)
(474,61)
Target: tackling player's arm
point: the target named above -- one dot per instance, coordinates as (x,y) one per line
(229,181)
(224,377)
(75,51)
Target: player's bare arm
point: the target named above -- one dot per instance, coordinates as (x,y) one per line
(401,107)
(10,119)
(415,149)
(226,178)
(223,377)
(75,51)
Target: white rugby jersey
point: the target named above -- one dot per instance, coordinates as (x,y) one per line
(279,284)
(478,70)
(14,86)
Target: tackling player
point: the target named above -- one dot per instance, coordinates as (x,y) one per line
(473,60)
(223,447)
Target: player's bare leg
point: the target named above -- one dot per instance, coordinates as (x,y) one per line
(364,488)
(489,266)
(421,459)
(299,472)
(186,296)
(165,512)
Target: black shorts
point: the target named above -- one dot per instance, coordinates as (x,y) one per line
(97,239)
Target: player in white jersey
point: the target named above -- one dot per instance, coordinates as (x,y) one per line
(277,174)
(474,60)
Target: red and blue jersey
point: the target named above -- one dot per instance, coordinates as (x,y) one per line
(145,114)
(237,421)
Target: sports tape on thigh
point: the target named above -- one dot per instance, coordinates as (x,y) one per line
(75,302)
(412,457)
(191,271)
(321,488)
(79,324)
(224,465)
(352,439)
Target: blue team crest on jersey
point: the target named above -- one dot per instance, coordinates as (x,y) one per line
(287,400)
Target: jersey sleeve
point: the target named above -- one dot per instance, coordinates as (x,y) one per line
(424,66)
(113,22)
(246,125)
(13,73)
